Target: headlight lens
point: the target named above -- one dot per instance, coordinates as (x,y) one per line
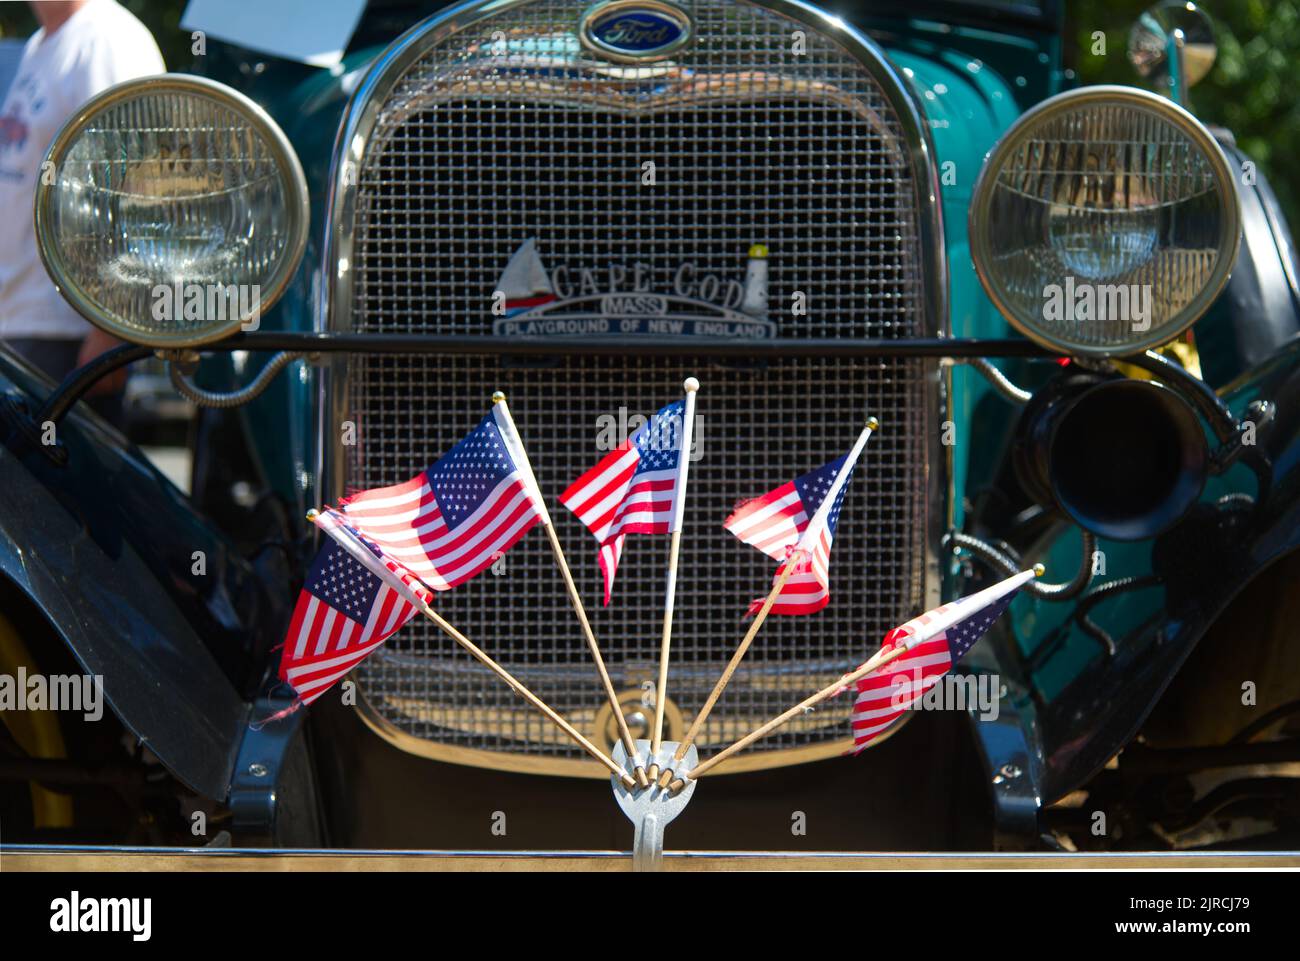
(1105,221)
(172,211)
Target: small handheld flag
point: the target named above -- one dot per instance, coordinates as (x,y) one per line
(452,520)
(691,386)
(435,531)
(795,524)
(779,524)
(344,611)
(353,566)
(962,622)
(933,642)
(633,490)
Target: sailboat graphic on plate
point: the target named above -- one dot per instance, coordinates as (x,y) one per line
(524,282)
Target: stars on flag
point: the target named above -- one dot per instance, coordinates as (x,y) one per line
(633,490)
(464,478)
(338,580)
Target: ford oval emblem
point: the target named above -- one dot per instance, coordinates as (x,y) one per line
(634,30)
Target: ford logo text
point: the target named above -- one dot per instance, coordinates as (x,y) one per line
(635,30)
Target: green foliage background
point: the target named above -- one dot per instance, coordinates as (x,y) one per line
(1253,90)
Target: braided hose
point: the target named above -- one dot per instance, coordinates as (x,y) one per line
(1000,381)
(210,398)
(1009,565)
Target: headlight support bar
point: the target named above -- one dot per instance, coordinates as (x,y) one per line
(313,344)
(77,383)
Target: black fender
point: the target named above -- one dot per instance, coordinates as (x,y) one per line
(145,592)
(1042,748)
(158,678)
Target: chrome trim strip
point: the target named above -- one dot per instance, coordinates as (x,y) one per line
(104,858)
(729,90)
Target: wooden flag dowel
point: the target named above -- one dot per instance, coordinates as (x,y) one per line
(520,455)
(691,387)
(810,533)
(518,687)
(665,643)
(921,631)
(877,661)
(791,563)
(576,599)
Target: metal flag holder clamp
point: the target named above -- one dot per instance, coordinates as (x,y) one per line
(651,809)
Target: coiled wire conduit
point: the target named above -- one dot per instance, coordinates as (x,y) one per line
(209,398)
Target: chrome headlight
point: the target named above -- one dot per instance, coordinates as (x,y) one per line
(171,211)
(1105,221)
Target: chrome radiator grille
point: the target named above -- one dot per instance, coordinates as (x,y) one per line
(505,131)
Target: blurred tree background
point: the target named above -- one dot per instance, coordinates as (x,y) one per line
(1253,90)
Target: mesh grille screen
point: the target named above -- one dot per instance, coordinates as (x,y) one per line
(479,149)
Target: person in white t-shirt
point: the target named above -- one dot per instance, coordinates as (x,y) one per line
(82,48)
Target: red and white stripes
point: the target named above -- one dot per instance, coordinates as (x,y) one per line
(404,520)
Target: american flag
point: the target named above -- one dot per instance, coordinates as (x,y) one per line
(781,525)
(633,489)
(450,522)
(344,612)
(936,641)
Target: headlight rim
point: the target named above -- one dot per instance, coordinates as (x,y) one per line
(1229,206)
(297,203)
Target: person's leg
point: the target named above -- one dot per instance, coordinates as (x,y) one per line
(56,358)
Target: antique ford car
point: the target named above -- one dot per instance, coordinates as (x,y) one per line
(1074,312)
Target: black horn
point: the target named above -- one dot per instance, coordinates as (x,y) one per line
(1123,458)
